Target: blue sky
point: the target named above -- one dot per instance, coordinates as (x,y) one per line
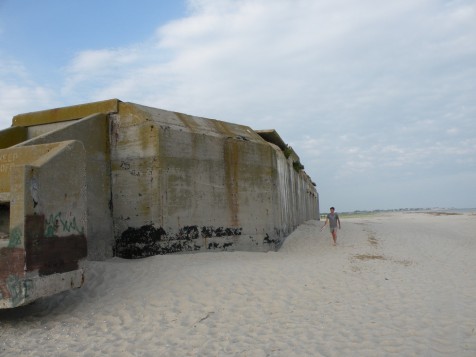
(377,98)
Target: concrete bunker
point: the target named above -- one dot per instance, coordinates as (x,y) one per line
(113,178)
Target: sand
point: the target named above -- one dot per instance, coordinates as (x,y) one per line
(400,284)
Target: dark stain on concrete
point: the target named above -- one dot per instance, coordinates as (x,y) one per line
(209,232)
(148,240)
(51,255)
(188,233)
(140,242)
(12,262)
(275,242)
(213,245)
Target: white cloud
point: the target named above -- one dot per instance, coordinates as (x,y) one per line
(368,89)
(453,131)
(19,93)
(321,58)
(20,99)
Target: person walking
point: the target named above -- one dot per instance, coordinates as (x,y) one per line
(333,219)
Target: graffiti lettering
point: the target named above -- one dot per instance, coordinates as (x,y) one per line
(19,289)
(15,238)
(14,288)
(8,157)
(28,286)
(7,161)
(56,222)
(5,167)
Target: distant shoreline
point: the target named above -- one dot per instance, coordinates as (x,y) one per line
(434,211)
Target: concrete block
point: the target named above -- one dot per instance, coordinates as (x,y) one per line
(44,242)
(93,132)
(64,114)
(137,181)
(176,178)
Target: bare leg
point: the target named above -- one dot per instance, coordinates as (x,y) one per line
(334,237)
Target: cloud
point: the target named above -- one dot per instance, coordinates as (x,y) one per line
(363,91)
(19,93)
(327,59)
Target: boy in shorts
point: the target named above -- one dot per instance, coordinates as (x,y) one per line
(334,221)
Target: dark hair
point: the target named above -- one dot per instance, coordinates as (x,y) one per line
(333,208)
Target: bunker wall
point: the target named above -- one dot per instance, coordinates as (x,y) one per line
(42,250)
(183,183)
(93,132)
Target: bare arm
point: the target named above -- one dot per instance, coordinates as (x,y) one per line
(325,224)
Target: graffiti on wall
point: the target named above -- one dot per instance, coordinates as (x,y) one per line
(7,160)
(19,289)
(52,254)
(12,262)
(56,224)
(15,238)
(45,255)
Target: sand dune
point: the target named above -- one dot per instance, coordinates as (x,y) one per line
(396,284)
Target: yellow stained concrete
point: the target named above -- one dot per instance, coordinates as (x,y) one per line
(20,155)
(66,113)
(12,136)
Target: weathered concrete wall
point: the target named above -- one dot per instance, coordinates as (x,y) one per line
(137,181)
(162,182)
(297,199)
(183,183)
(43,195)
(93,132)
(58,115)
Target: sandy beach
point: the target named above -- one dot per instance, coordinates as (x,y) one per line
(397,284)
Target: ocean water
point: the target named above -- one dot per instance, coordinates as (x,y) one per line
(455,210)
(409,210)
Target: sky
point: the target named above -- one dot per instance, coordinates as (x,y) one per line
(378,98)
